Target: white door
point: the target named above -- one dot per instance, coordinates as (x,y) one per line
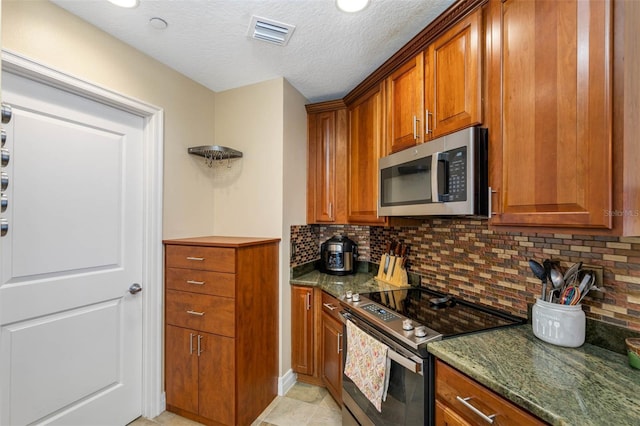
(70,330)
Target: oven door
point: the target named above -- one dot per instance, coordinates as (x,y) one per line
(405,402)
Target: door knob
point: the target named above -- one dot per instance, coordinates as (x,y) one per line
(135,288)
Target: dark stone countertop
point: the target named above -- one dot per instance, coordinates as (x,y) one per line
(581,386)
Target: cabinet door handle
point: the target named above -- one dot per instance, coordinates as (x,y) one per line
(466,403)
(199,345)
(191,343)
(199,314)
(339,342)
(426,122)
(415,127)
(492,213)
(330,306)
(330,210)
(199,259)
(195,282)
(308,300)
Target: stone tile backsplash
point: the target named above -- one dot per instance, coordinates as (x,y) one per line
(464,257)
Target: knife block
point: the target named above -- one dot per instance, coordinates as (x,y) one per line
(396,275)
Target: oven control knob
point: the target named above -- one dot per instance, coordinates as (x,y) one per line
(421,331)
(407,325)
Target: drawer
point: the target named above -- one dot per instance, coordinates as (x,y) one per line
(219,259)
(332,306)
(211,314)
(205,282)
(451,384)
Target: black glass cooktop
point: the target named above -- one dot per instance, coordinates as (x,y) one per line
(447,315)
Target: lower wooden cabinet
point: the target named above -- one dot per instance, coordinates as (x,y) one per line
(317,339)
(306,339)
(445,416)
(221,331)
(201,373)
(332,341)
(461,400)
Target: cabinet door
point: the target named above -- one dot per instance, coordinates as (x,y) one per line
(217,388)
(327,167)
(452,88)
(365,148)
(302,330)
(550,147)
(332,355)
(181,368)
(447,417)
(404,105)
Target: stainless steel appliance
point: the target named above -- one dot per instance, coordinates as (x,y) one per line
(338,255)
(387,316)
(444,177)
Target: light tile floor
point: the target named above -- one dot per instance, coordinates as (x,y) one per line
(303,405)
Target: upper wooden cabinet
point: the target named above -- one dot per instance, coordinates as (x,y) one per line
(554,138)
(327,159)
(404,105)
(365,147)
(452,79)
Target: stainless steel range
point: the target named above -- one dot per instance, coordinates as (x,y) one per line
(406,320)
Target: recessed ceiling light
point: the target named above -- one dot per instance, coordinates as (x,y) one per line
(125,3)
(158,23)
(351,5)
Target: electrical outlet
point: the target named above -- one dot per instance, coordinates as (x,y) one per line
(599,271)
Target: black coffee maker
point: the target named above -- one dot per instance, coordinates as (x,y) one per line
(338,256)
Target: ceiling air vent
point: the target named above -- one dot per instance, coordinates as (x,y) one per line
(270,31)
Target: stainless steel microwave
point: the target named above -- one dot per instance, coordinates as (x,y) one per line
(447,176)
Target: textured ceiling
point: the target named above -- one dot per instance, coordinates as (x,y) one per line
(329,53)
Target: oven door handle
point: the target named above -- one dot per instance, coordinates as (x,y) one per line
(407,363)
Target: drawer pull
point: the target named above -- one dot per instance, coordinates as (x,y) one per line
(330,306)
(195,282)
(466,403)
(199,259)
(199,314)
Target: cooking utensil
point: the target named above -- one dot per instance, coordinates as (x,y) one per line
(386,257)
(571,272)
(588,287)
(570,296)
(540,273)
(585,281)
(556,280)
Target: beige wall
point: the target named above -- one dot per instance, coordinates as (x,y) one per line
(248,196)
(264,193)
(294,202)
(48,34)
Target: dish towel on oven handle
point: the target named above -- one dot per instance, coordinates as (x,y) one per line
(367,364)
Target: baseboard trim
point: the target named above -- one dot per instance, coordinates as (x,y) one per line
(286,382)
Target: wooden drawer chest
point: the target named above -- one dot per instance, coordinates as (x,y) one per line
(221,298)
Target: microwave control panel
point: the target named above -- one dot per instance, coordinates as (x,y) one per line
(457,175)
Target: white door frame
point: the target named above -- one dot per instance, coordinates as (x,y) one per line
(153,402)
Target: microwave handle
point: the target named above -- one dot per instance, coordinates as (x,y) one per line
(435,195)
